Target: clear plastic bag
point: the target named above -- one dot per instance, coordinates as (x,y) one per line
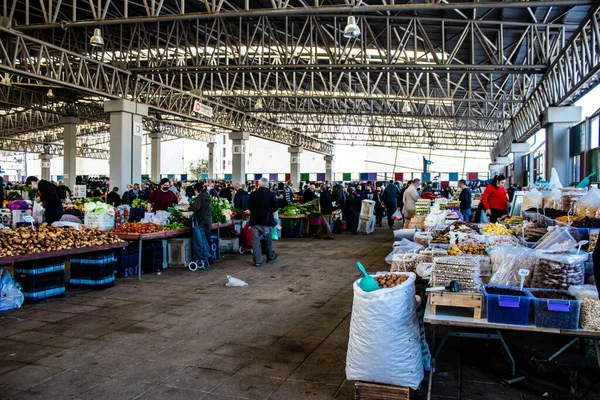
(161,217)
(462,269)
(533,199)
(588,205)
(405,246)
(507,261)
(235,282)
(559,271)
(406,262)
(590,306)
(557,238)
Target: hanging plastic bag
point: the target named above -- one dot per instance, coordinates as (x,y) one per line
(533,199)
(555,180)
(405,246)
(38,212)
(397,216)
(274,234)
(161,217)
(10,295)
(235,282)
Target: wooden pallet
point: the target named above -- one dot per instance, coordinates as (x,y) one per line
(376,391)
(462,300)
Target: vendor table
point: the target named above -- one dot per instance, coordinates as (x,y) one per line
(457,319)
(60,253)
(163,236)
(303,220)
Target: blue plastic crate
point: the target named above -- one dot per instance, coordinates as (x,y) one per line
(94,283)
(554,313)
(97,258)
(152,256)
(34,297)
(291,232)
(507,309)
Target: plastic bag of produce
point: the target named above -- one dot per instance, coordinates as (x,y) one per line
(557,238)
(161,217)
(507,261)
(590,306)
(384,344)
(10,295)
(559,271)
(588,204)
(405,246)
(533,199)
(38,212)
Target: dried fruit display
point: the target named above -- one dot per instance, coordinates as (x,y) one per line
(390,280)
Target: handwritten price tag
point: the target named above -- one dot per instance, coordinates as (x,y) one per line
(30,220)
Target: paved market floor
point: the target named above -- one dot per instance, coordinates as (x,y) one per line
(184,335)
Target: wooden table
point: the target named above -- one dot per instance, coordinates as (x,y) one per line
(303,220)
(60,253)
(457,318)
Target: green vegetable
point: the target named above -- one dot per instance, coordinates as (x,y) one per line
(216,211)
(138,203)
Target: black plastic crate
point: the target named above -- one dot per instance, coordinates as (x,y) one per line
(152,256)
(127,262)
(32,283)
(41,279)
(36,297)
(98,259)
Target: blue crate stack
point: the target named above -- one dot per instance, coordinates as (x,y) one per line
(127,262)
(41,279)
(95,270)
(152,256)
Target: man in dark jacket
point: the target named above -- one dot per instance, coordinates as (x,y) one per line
(378,207)
(262,205)
(390,197)
(324,231)
(63,191)
(48,196)
(465,200)
(309,195)
(1,190)
(113,198)
(240,200)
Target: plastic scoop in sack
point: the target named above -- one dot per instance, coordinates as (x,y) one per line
(367,283)
(586,181)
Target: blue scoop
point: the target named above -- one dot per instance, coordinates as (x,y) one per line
(367,283)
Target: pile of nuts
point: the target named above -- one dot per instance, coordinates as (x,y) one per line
(390,280)
(552,272)
(590,314)
(467,248)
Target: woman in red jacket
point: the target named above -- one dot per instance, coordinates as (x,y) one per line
(495,199)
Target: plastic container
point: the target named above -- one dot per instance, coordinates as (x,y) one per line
(229,246)
(288,223)
(291,232)
(95,270)
(552,313)
(152,256)
(41,279)
(179,252)
(127,262)
(507,309)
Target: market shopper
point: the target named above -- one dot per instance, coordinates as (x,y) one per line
(495,199)
(309,194)
(390,197)
(240,201)
(162,198)
(113,198)
(324,231)
(262,205)
(227,193)
(201,207)
(289,192)
(378,207)
(63,190)
(1,191)
(48,196)
(411,195)
(465,200)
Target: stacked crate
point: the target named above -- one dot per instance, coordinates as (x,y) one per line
(152,256)
(127,261)
(41,279)
(95,270)
(180,252)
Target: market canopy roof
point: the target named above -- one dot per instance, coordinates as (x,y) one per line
(447,75)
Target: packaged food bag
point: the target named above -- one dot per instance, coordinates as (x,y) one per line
(384,344)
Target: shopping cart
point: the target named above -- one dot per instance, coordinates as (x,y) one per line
(245,237)
(200,248)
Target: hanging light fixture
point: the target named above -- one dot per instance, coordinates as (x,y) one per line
(259,104)
(50,94)
(405,107)
(352,30)
(97,40)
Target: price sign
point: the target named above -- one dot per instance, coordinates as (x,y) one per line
(79,191)
(523,273)
(30,220)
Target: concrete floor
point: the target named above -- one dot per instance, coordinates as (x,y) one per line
(184,335)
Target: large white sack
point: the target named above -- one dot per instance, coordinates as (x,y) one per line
(384,345)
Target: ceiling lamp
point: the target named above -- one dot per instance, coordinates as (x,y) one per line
(259,104)
(97,40)
(405,107)
(352,30)
(50,94)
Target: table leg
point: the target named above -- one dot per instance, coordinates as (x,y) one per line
(597,348)
(165,263)
(565,347)
(508,353)
(140,259)
(432,366)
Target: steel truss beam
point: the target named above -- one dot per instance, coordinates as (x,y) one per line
(571,74)
(60,13)
(83,151)
(38,60)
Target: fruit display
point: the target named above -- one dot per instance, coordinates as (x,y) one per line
(122,216)
(465,271)
(390,280)
(460,226)
(46,238)
(586,222)
(496,229)
(138,227)
(422,207)
(510,220)
(438,238)
(559,271)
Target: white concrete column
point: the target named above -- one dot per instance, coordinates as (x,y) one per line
(238,156)
(295,153)
(45,160)
(519,150)
(155,153)
(557,121)
(211,160)
(70,149)
(329,168)
(126,131)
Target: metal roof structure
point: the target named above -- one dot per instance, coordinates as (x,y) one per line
(444,74)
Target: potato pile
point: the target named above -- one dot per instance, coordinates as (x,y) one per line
(46,238)
(390,280)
